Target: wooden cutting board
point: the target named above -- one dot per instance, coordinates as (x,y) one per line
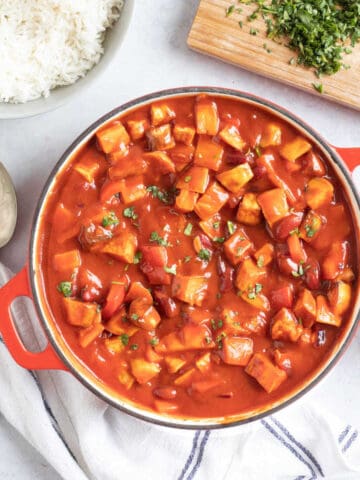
(215,34)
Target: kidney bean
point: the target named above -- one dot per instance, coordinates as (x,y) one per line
(226,274)
(259,171)
(286,225)
(286,265)
(205,241)
(312,274)
(166,393)
(165,302)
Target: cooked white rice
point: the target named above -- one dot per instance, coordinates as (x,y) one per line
(48,43)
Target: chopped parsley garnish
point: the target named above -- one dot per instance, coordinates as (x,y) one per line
(300,271)
(171,269)
(219,239)
(134,346)
(220,324)
(218,295)
(310,231)
(137,257)
(230,226)
(129,212)
(260,261)
(154,341)
(204,254)
(216,225)
(207,340)
(296,231)
(258,150)
(219,339)
(155,237)
(253,292)
(124,339)
(65,288)
(164,196)
(188,229)
(110,219)
(134,316)
(187,259)
(187,178)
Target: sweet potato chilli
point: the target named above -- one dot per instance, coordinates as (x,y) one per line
(198,256)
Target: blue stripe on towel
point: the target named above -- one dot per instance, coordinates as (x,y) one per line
(291,448)
(191,455)
(298,444)
(350,441)
(200,455)
(344,433)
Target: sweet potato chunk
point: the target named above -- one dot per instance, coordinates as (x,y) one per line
(113,138)
(265,372)
(125,378)
(144,371)
(248,275)
(208,153)
(160,162)
(310,226)
(285,326)
(271,135)
(211,227)
(132,189)
(181,155)
(336,260)
(161,113)
(319,192)
(231,135)
(190,337)
(305,308)
(184,134)
(137,128)
(238,247)
(122,169)
(160,138)
(137,290)
(249,211)
(324,313)
(88,169)
(90,334)
(291,151)
(211,202)
(237,350)
(190,289)
(63,218)
(194,179)
(276,176)
(206,116)
(114,299)
(264,255)
(81,314)
(144,315)
(273,205)
(203,363)
(235,178)
(185,201)
(340,297)
(122,247)
(314,165)
(174,364)
(66,262)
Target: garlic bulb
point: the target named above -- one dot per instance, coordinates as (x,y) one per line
(8,207)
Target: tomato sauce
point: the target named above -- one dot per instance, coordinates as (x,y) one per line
(198,256)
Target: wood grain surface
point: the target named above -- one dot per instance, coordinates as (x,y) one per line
(219,36)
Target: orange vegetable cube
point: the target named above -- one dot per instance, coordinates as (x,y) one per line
(194,179)
(184,134)
(89,334)
(160,138)
(305,308)
(161,113)
(196,337)
(87,169)
(238,247)
(151,355)
(144,371)
(296,249)
(197,244)
(117,157)
(235,178)
(186,378)
(174,364)
(319,192)
(113,138)
(249,211)
(340,297)
(211,202)
(66,262)
(248,275)
(81,314)
(268,375)
(336,260)
(114,299)
(163,406)
(144,315)
(181,155)
(276,176)
(137,128)
(231,135)
(212,227)
(203,363)
(122,247)
(314,165)
(259,301)
(310,226)
(295,149)
(114,345)
(109,189)
(185,201)
(264,255)
(132,189)
(137,290)
(271,135)
(190,289)
(273,205)
(206,116)
(285,326)
(237,350)
(125,378)
(137,166)
(208,153)
(119,324)
(325,314)
(160,162)
(63,218)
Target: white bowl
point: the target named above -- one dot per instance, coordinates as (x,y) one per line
(60,95)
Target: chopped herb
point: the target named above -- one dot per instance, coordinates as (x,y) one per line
(230,226)
(219,239)
(65,288)
(229,10)
(166,197)
(260,261)
(110,219)
(126,268)
(258,288)
(207,340)
(137,257)
(299,272)
(258,150)
(154,341)
(204,254)
(220,323)
(213,324)
(218,295)
(124,339)
(187,178)
(253,292)
(251,295)
(241,24)
(296,231)
(155,237)
(187,259)
(310,231)
(129,212)
(216,225)
(292,61)
(219,339)
(252,17)
(134,316)
(171,269)
(319,87)
(239,251)
(188,229)
(134,346)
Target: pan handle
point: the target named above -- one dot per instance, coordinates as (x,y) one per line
(45,360)
(350,155)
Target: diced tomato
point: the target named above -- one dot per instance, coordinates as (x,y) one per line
(114,299)
(282,297)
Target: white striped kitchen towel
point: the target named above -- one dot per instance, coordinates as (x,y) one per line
(82,437)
